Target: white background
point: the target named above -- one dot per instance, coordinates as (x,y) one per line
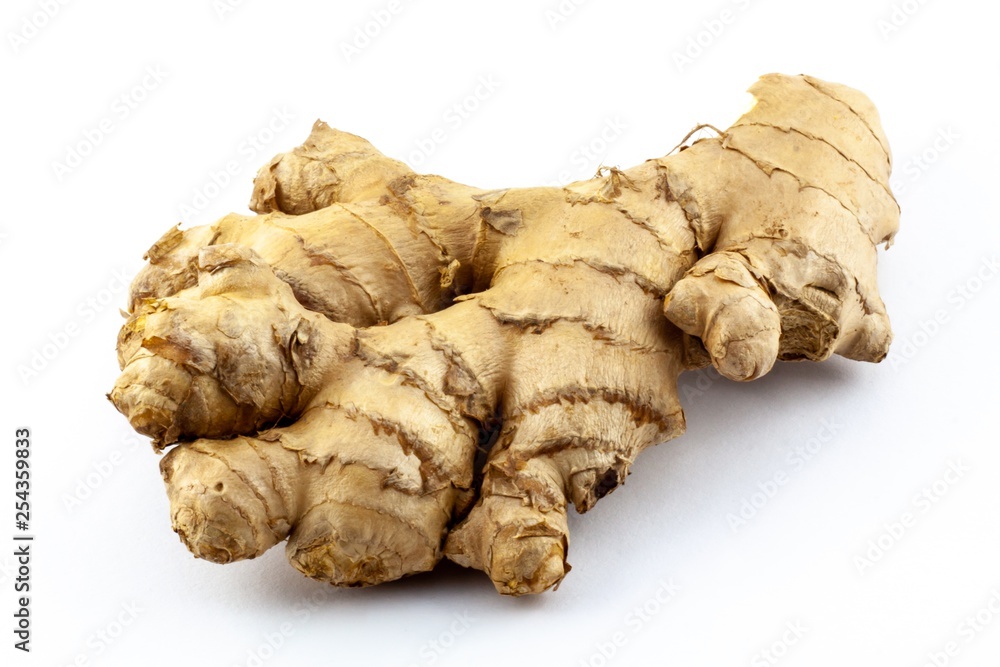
(105,560)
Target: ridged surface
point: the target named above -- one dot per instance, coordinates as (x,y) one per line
(560,318)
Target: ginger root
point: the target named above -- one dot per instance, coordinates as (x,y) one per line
(560,318)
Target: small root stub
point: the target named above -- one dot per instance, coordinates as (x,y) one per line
(346,545)
(521,548)
(214,511)
(206,540)
(529,565)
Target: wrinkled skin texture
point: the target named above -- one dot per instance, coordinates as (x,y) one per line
(327,367)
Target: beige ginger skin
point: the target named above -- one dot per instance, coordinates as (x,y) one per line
(325,368)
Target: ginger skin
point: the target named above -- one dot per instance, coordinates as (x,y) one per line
(560,316)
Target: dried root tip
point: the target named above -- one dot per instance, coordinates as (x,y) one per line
(522,549)
(152,406)
(331,166)
(346,545)
(870,342)
(164,401)
(231,355)
(173,264)
(721,302)
(215,510)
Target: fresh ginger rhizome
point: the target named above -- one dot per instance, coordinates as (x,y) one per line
(323,369)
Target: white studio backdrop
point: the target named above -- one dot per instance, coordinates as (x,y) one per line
(827,514)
